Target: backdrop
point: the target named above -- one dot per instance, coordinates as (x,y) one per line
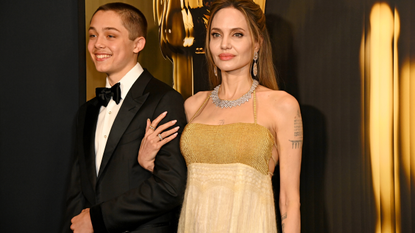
(350,63)
(43,83)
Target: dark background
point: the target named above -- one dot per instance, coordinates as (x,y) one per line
(316,47)
(42,85)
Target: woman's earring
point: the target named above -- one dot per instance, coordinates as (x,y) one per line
(215,71)
(255,68)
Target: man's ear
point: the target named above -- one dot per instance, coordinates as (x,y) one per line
(139,44)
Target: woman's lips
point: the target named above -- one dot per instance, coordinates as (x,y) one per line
(226,56)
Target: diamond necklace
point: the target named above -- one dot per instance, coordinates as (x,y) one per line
(232,103)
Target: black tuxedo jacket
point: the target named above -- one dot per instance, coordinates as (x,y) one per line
(125,197)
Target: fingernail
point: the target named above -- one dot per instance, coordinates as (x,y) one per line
(173,121)
(164,112)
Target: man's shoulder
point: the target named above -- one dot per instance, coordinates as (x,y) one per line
(157,87)
(156,83)
(85,105)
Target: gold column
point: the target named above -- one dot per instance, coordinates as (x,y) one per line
(407,124)
(386,114)
(381,114)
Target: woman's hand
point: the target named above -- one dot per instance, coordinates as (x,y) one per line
(154,139)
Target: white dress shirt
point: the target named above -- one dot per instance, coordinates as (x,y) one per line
(107,114)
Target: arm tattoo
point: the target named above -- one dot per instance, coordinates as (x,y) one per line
(298,131)
(283,217)
(298,125)
(296,144)
(221,122)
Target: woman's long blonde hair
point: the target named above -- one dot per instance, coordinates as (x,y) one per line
(256,23)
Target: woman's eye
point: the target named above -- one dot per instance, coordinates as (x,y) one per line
(214,34)
(238,35)
(111,36)
(92,35)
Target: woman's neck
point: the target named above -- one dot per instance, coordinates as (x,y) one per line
(234,86)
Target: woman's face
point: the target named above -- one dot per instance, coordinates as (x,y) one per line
(231,43)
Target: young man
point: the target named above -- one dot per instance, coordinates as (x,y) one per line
(109,191)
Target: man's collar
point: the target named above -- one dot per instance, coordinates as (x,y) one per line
(128,80)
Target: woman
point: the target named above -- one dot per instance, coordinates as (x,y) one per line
(237,133)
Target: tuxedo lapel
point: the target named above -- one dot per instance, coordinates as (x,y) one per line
(91,117)
(130,106)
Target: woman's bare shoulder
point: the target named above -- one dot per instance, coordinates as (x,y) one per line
(278,101)
(193,103)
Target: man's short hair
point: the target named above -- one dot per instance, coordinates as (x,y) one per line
(133,19)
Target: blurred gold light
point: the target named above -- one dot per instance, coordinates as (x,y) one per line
(407,128)
(381,113)
(386,114)
(396,107)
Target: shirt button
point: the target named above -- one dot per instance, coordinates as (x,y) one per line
(109,112)
(105,136)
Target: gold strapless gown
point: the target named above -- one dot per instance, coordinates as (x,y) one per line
(228,185)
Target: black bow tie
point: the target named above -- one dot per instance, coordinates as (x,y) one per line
(104,94)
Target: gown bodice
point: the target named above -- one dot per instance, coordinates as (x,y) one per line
(228,185)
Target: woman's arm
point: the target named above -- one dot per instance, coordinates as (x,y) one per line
(154,139)
(289,137)
(152,142)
